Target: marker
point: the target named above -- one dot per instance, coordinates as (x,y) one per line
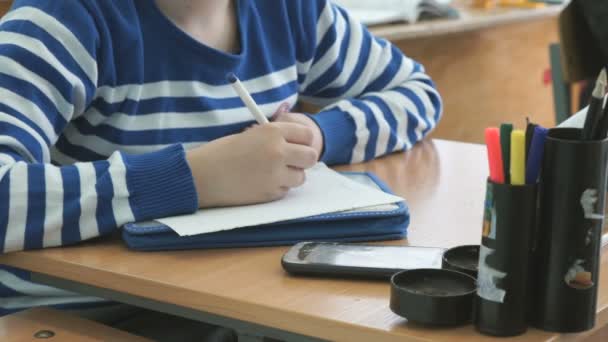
(247,99)
(529,135)
(518,157)
(505,144)
(535,157)
(494,155)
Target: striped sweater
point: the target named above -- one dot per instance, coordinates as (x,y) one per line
(100,98)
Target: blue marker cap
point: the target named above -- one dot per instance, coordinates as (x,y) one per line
(535,158)
(231,77)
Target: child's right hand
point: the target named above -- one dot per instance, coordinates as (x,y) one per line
(258,165)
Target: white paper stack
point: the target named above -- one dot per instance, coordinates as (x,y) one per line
(325,191)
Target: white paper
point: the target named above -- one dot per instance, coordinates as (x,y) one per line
(576,120)
(325,191)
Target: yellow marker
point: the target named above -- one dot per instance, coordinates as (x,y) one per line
(518,157)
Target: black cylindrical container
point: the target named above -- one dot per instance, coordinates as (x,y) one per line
(573,184)
(503,277)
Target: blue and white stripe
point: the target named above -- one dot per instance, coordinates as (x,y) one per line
(389,99)
(100,99)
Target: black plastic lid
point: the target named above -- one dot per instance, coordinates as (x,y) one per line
(433,296)
(463,259)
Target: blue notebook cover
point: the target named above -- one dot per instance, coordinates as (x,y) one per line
(390,223)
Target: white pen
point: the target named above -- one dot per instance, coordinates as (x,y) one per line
(247,99)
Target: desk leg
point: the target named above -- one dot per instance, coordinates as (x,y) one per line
(248,332)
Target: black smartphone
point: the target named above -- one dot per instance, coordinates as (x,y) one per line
(354,260)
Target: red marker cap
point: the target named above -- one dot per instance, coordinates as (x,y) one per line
(494,155)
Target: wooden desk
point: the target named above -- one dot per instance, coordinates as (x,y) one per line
(32,326)
(488,65)
(470,19)
(247,288)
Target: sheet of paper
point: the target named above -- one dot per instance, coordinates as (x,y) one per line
(325,191)
(577,120)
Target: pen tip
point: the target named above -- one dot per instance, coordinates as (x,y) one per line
(603,77)
(231,77)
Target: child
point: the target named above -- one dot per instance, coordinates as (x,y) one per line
(114,111)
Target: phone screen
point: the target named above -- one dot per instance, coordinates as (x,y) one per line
(365,256)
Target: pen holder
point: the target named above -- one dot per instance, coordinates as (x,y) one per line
(573,183)
(503,278)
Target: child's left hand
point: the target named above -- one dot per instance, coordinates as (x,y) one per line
(283,115)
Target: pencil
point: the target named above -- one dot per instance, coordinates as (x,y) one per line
(596,103)
(602,126)
(247,99)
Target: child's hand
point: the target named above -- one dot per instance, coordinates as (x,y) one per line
(317,140)
(258,165)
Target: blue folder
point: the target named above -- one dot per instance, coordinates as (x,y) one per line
(354,226)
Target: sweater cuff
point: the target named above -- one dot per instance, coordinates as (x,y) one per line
(338,129)
(160,183)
